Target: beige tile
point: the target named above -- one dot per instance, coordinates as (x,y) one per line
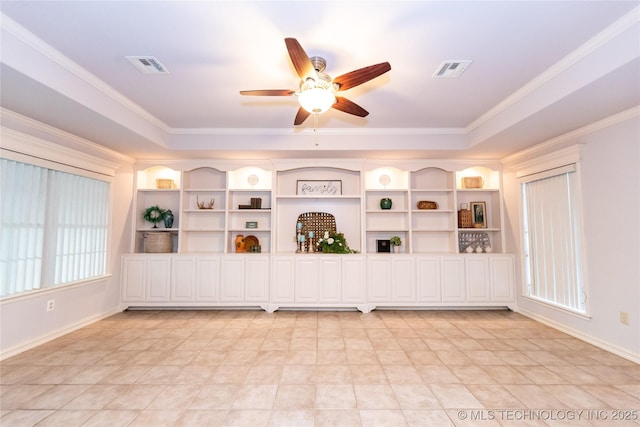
(454,396)
(368,374)
(111,418)
(494,396)
(156,418)
(330,396)
(338,418)
(612,396)
(125,375)
(24,417)
(362,357)
(421,418)
(402,374)
(292,418)
(95,397)
(375,396)
(298,374)
(331,357)
(534,397)
(267,374)
(56,397)
(215,396)
(135,397)
(255,396)
(333,374)
(382,417)
(160,375)
(64,418)
(291,397)
(14,397)
(191,418)
(436,374)
(415,396)
(175,397)
(247,418)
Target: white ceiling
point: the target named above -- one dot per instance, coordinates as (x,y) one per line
(540,69)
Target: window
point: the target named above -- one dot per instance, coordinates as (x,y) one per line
(552,238)
(53,227)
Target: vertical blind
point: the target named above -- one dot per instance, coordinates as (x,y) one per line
(552,241)
(53,227)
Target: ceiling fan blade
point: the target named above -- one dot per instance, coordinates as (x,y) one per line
(268,92)
(350,107)
(300,59)
(301,116)
(362,75)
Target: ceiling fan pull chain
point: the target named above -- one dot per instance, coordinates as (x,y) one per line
(315,130)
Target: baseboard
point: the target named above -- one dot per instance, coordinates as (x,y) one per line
(13,351)
(580,335)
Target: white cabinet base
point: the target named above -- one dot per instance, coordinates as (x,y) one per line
(316,281)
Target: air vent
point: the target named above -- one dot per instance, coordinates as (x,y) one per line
(147,64)
(451,69)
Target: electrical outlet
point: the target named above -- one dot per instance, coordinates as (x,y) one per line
(624,317)
(51,304)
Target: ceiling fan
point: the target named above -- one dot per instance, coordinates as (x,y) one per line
(317,90)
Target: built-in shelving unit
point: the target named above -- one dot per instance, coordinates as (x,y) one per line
(264,201)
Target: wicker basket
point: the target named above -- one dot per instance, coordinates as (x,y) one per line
(465,220)
(158,242)
(318,222)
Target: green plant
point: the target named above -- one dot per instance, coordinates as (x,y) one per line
(154,215)
(395,241)
(334,243)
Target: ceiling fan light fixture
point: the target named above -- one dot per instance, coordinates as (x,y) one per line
(316,100)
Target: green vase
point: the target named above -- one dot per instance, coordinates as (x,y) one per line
(385,203)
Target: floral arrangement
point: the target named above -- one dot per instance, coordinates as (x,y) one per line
(395,241)
(334,243)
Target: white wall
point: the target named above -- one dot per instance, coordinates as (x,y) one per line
(610,179)
(24,321)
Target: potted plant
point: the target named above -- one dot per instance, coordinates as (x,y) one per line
(396,241)
(154,215)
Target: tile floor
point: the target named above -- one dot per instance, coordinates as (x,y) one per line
(251,368)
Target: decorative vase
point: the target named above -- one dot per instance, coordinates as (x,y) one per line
(168,219)
(385,203)
(240,244)
(396,249)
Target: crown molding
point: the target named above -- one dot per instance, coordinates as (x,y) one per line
(28,126)
(605,36)
(558,141)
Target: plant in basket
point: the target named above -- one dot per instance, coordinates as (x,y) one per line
(334,243)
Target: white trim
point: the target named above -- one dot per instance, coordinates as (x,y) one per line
(557,307)
(16,145)
(558,159)
(48,51)
(605,36)
(29,126)
(551,144)
(55,334)
(633,357)
(8,299)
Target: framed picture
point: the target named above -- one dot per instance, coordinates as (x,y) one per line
(479,214)
(319,187)
(383,245)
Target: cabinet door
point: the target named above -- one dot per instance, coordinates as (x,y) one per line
(256,285)
(282,279)
(183,273)
(452,276)
(428,280)
(330,279)
(232,279)
(134,278)
(403,273)
(379,279)
(353,290)
(502,281)
(158,278)
(207,278)
(477,278)
(306,279)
